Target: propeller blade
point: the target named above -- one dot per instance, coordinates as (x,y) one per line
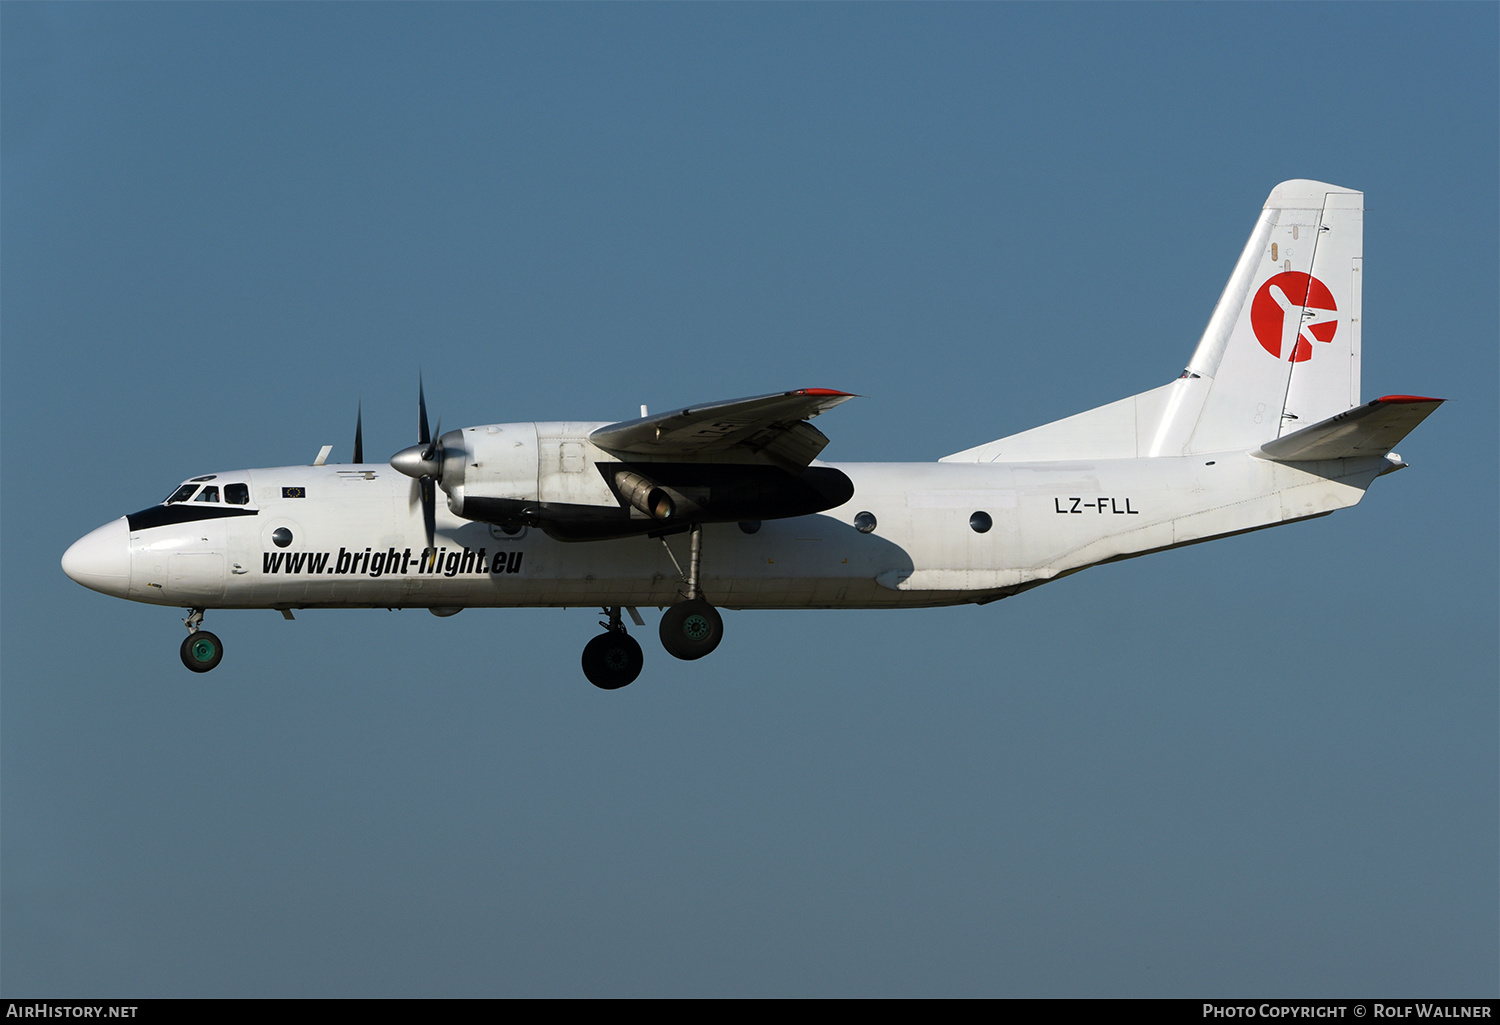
(359,433)
(423,462)
(429,511)
(434,446)
(422,436)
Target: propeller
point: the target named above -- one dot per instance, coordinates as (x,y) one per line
(359,433)
(424,463)
(422,436)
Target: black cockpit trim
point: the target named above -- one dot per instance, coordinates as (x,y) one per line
(182,512)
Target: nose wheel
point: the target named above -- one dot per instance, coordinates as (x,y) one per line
(200,650)
(613,659)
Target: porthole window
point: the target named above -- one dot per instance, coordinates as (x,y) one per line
(864,522)
(981,522)
(281,537)
(749,526)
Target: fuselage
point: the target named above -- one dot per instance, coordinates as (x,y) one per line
(352,536)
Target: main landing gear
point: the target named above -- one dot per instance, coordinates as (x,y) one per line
(201,650)
(691,628)
(613,659)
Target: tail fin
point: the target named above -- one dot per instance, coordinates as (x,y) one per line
(1282,346)
(1280,352)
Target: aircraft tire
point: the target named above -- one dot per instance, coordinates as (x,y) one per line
(612,660)
(201,651)
(691,629)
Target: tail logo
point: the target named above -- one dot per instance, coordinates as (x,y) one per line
(1290,312)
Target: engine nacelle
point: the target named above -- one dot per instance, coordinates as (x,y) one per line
(509,472)
(550,475)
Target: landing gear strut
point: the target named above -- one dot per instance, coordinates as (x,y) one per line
(613,659)
(692,628)
(201,650)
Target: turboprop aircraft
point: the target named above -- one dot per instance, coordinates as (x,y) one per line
(725,505)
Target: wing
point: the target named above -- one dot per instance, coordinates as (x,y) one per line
(772,428)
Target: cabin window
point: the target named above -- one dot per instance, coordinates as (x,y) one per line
(981,522)
(237,494)
(208,494)
(864,522)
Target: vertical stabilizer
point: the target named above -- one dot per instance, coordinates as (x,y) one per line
(1280,353)
(1281,350)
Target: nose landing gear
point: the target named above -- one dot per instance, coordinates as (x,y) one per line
(201,650)
(613,659)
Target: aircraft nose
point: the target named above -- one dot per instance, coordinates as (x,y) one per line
(101,559)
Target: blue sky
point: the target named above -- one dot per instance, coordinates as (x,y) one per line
(1262,766)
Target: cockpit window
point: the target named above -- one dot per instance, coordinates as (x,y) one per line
(182,494)
(237,494)
(208,494)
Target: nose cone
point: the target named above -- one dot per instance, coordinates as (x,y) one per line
(410,462)
(101,559)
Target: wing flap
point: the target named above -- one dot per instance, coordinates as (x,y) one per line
(1369,430)
(774,426)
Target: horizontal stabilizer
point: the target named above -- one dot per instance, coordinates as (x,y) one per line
(1369,430)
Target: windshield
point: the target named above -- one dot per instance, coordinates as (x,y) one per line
(234,494)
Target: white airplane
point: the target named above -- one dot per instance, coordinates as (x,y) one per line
(724,504)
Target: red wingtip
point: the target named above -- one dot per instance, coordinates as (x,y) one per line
(1407,398)
(820,391)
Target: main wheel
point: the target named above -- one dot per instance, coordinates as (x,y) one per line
(201,651)
(691,629)
(612,660)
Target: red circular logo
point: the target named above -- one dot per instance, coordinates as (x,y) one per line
(1290,312)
